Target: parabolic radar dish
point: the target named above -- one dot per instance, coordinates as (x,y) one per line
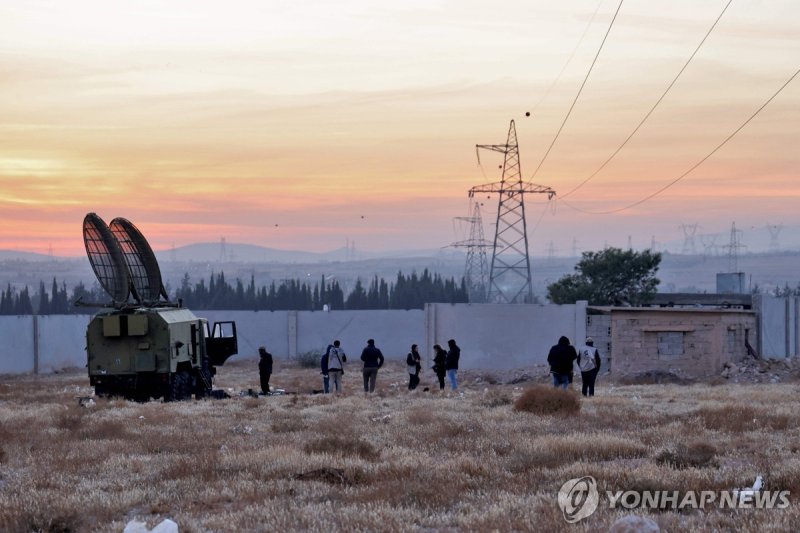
(140,260)
(106,258)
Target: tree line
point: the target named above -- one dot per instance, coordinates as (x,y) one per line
(405,292)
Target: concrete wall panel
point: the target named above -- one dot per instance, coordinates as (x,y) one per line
(503,336)
(394,331)
(62,341)
(773,326)
(254,329)
(16,348)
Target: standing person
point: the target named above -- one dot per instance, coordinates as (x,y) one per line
(323,364)
(589,363)
(336,360)
(439,364)
(373,360)
(560,359)
(451,363)
(264,369)
(414,362)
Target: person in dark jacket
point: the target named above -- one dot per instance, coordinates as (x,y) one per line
(323,365)
(561,358)
(414,362)
(589,363)
(440,364)
(264,369)
(451,363)
(373,360)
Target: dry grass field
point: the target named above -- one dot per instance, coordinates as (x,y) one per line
(396,461)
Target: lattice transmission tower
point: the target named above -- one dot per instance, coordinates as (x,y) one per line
(774,232)
(689,231)
(476,270)
(510,272)
(733,248)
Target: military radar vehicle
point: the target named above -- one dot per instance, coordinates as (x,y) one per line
(141,345)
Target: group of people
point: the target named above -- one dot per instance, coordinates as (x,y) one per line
(562,357)
(445,363)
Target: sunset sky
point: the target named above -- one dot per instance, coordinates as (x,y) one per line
(301,124)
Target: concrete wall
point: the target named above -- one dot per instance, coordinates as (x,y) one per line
(288,334)
(62,341)
(491,335)
(690,343)
(502,336)
(16,348)
(779,325)
(598,327)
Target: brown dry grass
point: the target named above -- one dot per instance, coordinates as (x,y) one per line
(396,461)
(544,400)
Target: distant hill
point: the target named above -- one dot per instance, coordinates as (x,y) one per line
(13,255)
(250,253)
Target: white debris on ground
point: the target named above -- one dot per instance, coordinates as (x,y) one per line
(746,494)
(166,526)
(241,429)
(762,370)
(86,401)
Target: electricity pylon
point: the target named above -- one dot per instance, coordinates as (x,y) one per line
(689,231)
(510,273)
(476,269)
(774,232)
(733,248)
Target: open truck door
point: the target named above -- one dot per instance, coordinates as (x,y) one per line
(221,343)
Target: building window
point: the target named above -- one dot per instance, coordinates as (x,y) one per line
(670,344)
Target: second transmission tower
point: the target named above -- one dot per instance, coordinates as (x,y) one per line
(510,273)
(476,269)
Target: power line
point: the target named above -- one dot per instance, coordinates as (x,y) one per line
(703,160)
(569,60)
(644,119)
(575,101)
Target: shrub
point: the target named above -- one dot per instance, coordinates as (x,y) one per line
(344,446)
(696,454)
(309,359)
(740,418)
(496,398)
(542,400)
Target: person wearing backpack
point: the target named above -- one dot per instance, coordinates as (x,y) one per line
(336,360)
(589,363)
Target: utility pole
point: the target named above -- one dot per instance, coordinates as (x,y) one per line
(510,273)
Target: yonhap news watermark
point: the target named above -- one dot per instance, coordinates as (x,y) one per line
(579,498)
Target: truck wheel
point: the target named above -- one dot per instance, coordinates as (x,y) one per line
(180,387)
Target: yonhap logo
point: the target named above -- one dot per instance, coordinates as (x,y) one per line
(578,498)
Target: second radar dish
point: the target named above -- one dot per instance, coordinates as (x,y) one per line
(140,259)
(106,258)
